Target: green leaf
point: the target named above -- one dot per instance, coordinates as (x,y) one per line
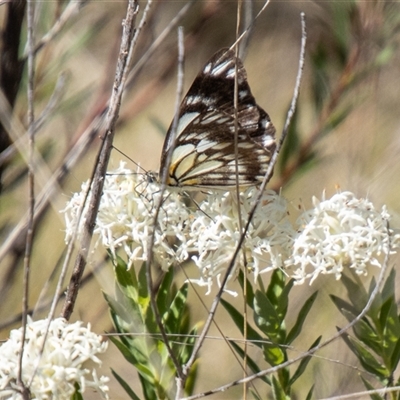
(237,318)
(394,360)
(389,287)
(250,362)
(366,334)
(277,390)
(126,317)
(249,289)
(376,305)
(374,396)
(176,310)
(283,300)
(77,394)
(142,282)
(296,330)
(344,305)
(275,287)
(187,346)
(255,395)
(367,359)
(278,292)
(124,350)
(191,379)
(391,330)
(273,354)
(284,378)
(126,282)
(266,317)
(310,393)
(149,389)
(355,292)
(292,142)
(163,293)
(125,386)
(303,364)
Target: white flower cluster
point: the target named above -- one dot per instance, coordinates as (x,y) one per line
(126,218)
(215,233)
(337,233)
(56,371)
(342,232)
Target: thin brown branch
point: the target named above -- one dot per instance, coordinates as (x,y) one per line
(72,9)
(126,48)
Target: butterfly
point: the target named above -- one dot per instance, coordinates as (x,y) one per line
(203,154)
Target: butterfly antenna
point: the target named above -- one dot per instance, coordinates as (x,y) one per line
(131,160)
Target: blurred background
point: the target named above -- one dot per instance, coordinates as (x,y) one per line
(345,137)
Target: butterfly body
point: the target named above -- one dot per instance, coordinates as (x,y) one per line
(204,154)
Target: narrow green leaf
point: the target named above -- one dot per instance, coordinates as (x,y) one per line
(394,361)
(355,292)
(249,289)
(303,364)
(237,318)
(149,389)
(142,282)
(77,394)
(277,390)
(254,366)
(125,314)
(376,305)
(125,386)
(366,334)
(367,359)
(127,285)
(310,393)
(283,300)
(389,287)
(301,317)
(191,379)
(187,346)
(276,285)
(255,395)
(265,316)
(344,305)
(274,355)
(176,310)
(391,330)
(284,378)
(374,396)
(124,350)
(163,293)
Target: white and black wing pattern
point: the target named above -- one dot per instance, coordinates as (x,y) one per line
(204,152)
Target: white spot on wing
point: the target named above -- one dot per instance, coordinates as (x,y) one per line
(245,145)
(220,68)
(185,165)
(203,145)
(181,152)
(204,168)
(222,145)
(230,73)
(268,141)
(184,121)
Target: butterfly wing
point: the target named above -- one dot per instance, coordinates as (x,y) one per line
(204,151)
